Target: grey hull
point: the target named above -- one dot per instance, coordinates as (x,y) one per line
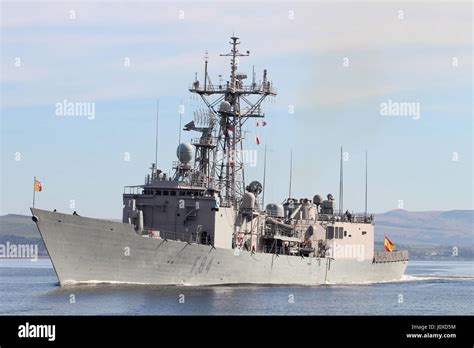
(92,250)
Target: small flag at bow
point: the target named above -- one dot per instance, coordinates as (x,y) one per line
(38,186)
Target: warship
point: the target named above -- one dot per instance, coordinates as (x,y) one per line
(203,225)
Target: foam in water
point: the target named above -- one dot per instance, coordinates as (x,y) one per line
(423,277)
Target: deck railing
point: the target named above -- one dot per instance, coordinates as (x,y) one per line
(394,256)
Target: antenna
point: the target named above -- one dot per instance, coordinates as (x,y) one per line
(291,171)
(156,133)
(206,57)
(264,176)
(365,183)
(180,117)
(253,76)
(341,186)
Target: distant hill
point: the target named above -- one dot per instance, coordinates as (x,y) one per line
(20,229)
(448,228)
(18,225)
(432,230)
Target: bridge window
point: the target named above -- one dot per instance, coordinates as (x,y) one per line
(339,232)
(166,193)
(330,232)
(158,192)
(173,193)
(182,193)
(335,232)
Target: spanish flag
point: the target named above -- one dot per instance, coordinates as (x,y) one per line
(389,246)
(38,186)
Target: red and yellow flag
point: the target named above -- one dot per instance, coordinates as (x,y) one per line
(38,186)
(388,245)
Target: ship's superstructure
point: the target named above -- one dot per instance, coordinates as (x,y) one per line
(204,225)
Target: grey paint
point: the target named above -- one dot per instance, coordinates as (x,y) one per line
(93,250)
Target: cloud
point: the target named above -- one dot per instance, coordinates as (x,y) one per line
(162,46)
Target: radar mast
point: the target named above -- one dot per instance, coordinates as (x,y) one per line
(230,106)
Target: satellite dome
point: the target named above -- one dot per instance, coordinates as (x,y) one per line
(275,210)
(184,152)
(248,200)
(224,106)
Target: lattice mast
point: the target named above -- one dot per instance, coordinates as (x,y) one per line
(230,106)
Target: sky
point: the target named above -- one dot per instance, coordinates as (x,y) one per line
(334,65)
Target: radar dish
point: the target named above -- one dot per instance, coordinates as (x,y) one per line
(255,187)
(317,199)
